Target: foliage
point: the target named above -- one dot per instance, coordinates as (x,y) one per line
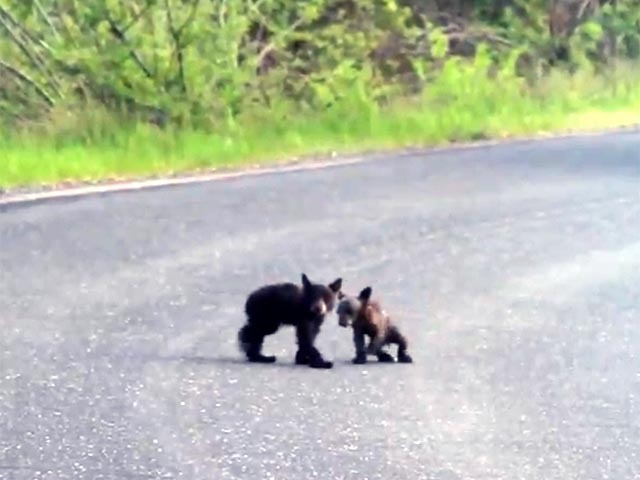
(463,104)
(195,59)
(82,72)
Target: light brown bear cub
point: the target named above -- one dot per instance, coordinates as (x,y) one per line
(367,318)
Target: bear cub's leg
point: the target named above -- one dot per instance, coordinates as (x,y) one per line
(376,348)
(396,337)
(251,339)
(361,350)
(385,357)
(308,354)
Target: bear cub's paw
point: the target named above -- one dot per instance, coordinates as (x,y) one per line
(321,364)
(405,358)
(262,358)
(360,358)
(385,357)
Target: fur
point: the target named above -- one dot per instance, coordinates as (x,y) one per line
(302,307)
(368,319)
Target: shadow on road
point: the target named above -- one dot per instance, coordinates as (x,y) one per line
(202,360)
(281,363)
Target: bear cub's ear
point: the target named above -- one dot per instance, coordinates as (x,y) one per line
(365,294)
(336,285)
(305,281)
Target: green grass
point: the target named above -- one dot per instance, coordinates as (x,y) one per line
(461,105)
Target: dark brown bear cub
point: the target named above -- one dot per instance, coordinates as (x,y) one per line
(367,318)
(304,308)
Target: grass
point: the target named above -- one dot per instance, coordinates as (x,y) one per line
(460,105)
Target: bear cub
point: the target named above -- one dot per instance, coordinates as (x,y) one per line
(367,318)
(303,307)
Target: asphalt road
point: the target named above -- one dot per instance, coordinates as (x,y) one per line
(514,270)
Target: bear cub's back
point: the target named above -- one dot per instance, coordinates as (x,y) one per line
(282,301)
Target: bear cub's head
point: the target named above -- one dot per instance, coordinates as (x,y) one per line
(319,299)
(349,308)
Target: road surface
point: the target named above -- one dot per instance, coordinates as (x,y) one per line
(513,269)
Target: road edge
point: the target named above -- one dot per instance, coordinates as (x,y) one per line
(304,164)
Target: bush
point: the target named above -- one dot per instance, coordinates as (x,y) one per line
(154,77)
(211,62)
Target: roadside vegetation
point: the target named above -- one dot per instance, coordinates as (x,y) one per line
(106,89)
